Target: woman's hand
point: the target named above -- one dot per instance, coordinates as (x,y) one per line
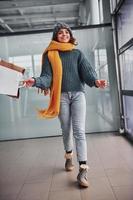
(29,82)
(101,83)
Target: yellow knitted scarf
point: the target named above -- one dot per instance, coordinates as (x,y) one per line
(55,90)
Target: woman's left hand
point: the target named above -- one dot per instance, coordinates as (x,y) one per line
(101,83)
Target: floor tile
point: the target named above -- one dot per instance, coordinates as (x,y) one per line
(65,195)
(99,189)
(34,191)
(124,192)
(9,191)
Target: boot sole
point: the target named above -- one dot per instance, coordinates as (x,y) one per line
(70,169)
(83,184)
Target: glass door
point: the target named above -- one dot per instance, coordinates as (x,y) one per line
(126,60)
(124,35)
(19,116)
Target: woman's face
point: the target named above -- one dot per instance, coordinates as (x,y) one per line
(63,36)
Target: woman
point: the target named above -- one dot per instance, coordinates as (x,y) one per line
(65,71)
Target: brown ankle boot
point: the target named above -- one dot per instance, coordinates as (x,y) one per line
(68,164)
(82,176)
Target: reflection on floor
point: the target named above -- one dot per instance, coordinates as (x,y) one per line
(34,170)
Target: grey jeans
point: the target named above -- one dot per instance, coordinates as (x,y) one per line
(72,117)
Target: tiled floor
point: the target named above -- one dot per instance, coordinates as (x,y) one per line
(34,170)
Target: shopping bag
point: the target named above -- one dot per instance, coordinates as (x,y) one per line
(11,76)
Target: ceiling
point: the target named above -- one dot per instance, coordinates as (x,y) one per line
(33,15)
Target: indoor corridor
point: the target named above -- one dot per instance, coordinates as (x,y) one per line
(31,149)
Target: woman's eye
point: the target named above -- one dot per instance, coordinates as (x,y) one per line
(60,33)
(66,31)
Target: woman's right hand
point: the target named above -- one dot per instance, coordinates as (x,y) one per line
(29,82)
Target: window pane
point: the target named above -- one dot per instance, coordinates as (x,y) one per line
(24,61)
(19,118)
(37,65)
(113,4)
(128,112)
(127,69)
(125,23)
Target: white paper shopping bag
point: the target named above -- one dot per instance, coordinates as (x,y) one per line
(10,77)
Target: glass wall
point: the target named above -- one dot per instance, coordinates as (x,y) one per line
(125,23)
(128,111)
(18,117)
(124,27)
(126,61)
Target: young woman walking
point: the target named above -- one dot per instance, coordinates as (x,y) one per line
(65,71)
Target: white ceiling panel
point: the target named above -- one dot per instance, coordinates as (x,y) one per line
(31,15)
